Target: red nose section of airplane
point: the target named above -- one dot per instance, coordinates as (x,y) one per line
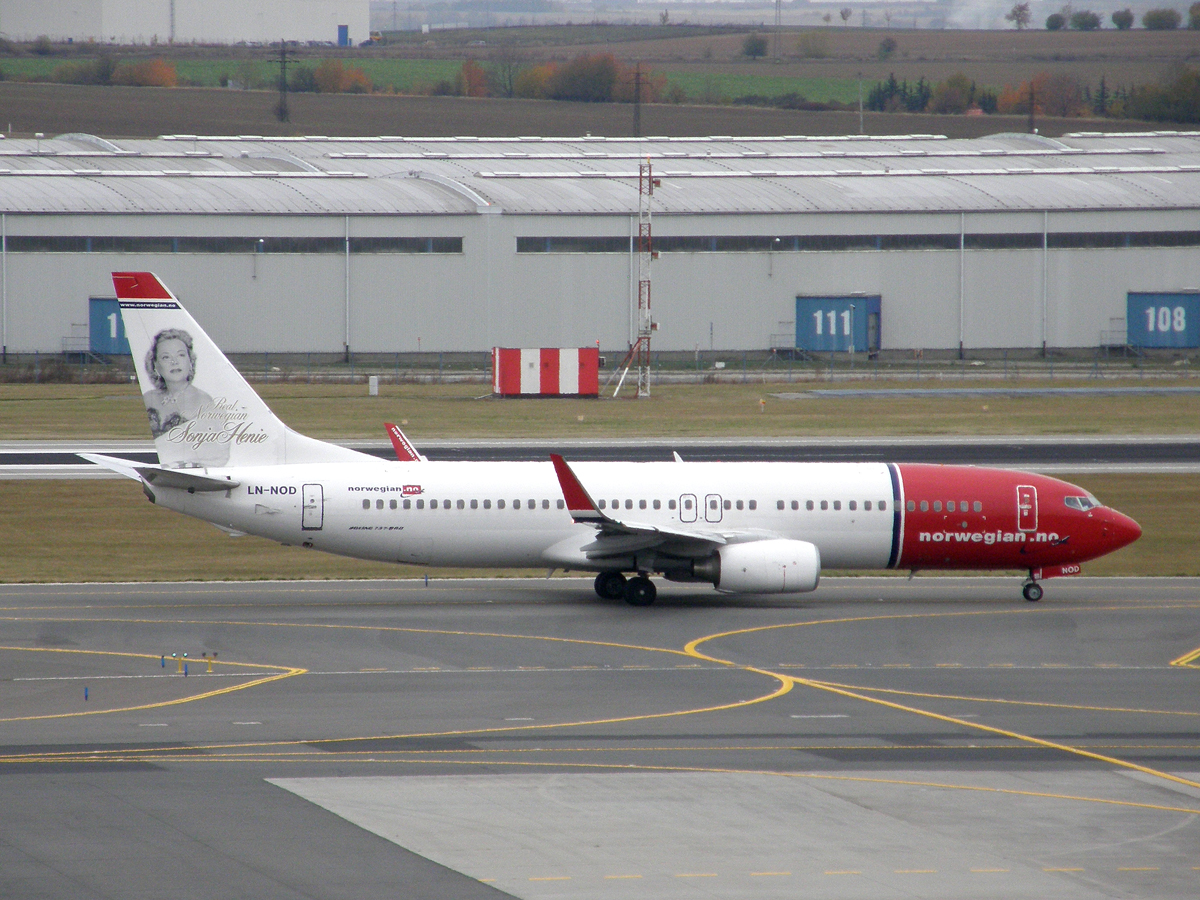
(1120,530)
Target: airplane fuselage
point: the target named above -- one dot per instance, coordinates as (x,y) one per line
(512,514)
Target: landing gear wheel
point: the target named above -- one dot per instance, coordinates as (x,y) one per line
(1032,592)
(640,591)
(610,585)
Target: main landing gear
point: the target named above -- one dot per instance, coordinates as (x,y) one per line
(1032,591)
(637,591)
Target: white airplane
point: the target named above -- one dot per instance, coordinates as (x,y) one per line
(744,527)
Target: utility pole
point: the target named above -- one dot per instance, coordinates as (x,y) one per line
(282,110)
(637,100)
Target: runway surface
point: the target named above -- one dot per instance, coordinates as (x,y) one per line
(880,738)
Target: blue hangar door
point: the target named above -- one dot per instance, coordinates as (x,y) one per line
(1163,320)
(106,329)
(838,323)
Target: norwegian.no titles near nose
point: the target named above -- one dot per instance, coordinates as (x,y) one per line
(744,527)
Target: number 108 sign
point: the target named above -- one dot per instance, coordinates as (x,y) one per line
(1163,320)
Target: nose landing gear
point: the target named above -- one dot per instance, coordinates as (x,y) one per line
(1032,591)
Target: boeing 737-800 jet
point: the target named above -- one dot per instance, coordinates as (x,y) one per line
(744,527)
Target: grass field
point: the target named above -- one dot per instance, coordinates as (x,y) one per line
(107,531)
(821,64)
(68,411)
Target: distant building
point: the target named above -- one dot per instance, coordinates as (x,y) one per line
(186,21)
(815,244)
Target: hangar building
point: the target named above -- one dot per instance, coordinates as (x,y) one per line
(344,22)
(383,245)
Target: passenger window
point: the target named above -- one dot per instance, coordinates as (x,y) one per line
(687,504)
(883,506)
(937,505)
(616,504)
(739,504)
(408,504)
(728,505)
(516,504)
(499,504)
(420,504)
(461,504)
(379,504)
(977,506)
(853,506)
(808,505)
(753,504)
(487,504)
(962,506)
(824,504)
(866,506)
(629,504)
(562,504)
(366,504)
(474,504)
(912,506)
(658,504)
(949,506)
(532,504)
(392,504)
(641,504)
(545,504)
(779,504)
(924,506)
(795,504)
(433,504)
(837,504)
(602,504)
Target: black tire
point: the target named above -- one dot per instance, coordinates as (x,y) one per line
(610,585)
(640,591)
(1032,592)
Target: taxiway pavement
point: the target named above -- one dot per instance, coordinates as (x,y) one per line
(930,738)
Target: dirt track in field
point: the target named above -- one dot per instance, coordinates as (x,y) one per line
(149,112)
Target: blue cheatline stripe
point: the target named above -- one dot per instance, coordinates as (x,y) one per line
(897,512)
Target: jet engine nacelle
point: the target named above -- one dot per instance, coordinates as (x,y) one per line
(764,567)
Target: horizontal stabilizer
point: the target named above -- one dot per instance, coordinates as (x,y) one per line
(160,477)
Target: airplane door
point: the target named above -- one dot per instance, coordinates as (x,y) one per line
(1027,511)
(312,515)
(712,508)
(687,508)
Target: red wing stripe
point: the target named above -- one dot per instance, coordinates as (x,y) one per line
(578,501)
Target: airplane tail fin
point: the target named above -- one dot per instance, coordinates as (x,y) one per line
(202,411)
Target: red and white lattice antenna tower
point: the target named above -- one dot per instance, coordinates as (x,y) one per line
(639,352)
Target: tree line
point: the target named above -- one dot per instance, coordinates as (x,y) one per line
(1160,19)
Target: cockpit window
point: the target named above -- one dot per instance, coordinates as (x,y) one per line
(1081,503)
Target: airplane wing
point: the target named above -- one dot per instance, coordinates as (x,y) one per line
(160,477)
(405,451)
(617,536)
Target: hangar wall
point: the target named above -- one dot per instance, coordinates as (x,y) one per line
(489,295)
(282,247)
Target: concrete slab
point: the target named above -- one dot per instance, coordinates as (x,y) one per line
(729,835)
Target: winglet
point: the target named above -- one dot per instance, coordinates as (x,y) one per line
(405,451)
(579,502)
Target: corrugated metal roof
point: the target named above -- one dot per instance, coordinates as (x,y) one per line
(589,175)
